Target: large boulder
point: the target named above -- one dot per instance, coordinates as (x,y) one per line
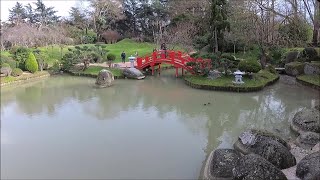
(220,164)
(309,167)
(294,68)
(308,140)
(291,56)
(133,73)
(312,68)
(105,78)
(271,147)
(306,120)
(254,167)
(5,71)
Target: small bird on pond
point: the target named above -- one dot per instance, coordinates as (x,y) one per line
(208,103)
(205,104)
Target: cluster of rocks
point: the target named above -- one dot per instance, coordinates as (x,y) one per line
(105,77)
(259,154)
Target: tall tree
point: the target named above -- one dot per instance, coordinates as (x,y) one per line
(17,14)
(30,13)
(130,13)
(45,15)
(218,23)
(77,18)
(105,14)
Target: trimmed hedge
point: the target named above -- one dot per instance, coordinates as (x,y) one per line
(16,72)
(9,60)
(249,66)
(111,57)
(5,65)
(31,63)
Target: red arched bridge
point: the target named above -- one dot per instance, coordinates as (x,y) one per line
(176,58)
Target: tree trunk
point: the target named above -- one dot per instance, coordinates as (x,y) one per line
(215,40)
(263,58)
(316,24)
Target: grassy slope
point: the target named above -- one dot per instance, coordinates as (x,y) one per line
(129,46)
(261,78)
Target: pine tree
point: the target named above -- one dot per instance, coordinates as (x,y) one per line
(17,14)
(29,13)
(77,18)
(45,15)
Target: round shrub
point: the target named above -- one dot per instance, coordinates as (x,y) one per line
(309,54)
(9,60)
(249,66)
(16,72)
(5,65)
(111,57)
(31,63)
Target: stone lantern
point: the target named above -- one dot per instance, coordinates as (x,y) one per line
(131,60)
(238,77)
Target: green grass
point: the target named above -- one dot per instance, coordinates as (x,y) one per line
(22,77)
(129,46)
(313,79)
(260,79)
(94,70)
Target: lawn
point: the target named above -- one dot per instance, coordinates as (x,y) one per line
(260,79)
(129,46)
(94,70)
(312,79)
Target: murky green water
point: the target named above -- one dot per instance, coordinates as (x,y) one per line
(158,128)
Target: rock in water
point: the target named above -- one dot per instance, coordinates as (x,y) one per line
(306,120)
(271,147)
(255,167)
(308,140)
(309,167)
(133,73)
(105,78)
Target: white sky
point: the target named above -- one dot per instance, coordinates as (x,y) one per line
(62,6)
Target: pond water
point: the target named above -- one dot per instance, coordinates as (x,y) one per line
(157,128)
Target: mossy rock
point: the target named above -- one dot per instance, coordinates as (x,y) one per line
(306,120)
(294,68)
(253,166)
(271,147)
(291,56)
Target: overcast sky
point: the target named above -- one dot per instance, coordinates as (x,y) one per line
(62,6)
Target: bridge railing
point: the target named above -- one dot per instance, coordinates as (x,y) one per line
(173,57)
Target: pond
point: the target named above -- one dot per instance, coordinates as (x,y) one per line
(157,128)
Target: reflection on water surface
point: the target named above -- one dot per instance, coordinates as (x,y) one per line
(64,127)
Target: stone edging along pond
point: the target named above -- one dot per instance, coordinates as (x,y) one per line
(28,78)
(230,88)
(314,86)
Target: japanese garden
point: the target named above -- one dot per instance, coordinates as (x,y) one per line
(160,89)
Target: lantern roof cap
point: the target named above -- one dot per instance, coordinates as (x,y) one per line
(238,73)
